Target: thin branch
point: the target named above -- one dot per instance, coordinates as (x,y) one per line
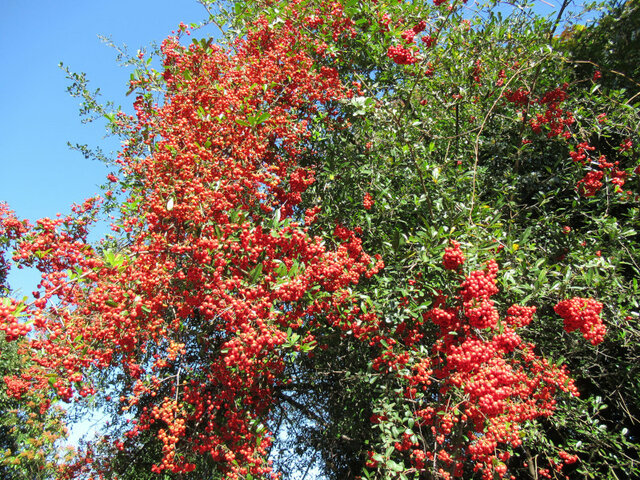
(565,4)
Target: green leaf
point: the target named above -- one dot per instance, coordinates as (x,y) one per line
(255,273)
(262,118)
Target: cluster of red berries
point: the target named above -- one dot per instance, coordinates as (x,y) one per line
(580,153)
(519,316)
(368,201)
(480,284)
(591,183)
(583,314)
(519,97)
(401,55)
(408,35)
(9,322)
(453,256)
(567,457)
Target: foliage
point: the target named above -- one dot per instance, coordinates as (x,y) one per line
(608,47)
(366,239)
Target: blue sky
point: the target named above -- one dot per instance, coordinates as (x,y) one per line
(40,175)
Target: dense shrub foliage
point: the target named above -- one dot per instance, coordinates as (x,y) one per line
(355,239)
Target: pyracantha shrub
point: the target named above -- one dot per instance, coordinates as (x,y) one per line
(481,382)
(280,208)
